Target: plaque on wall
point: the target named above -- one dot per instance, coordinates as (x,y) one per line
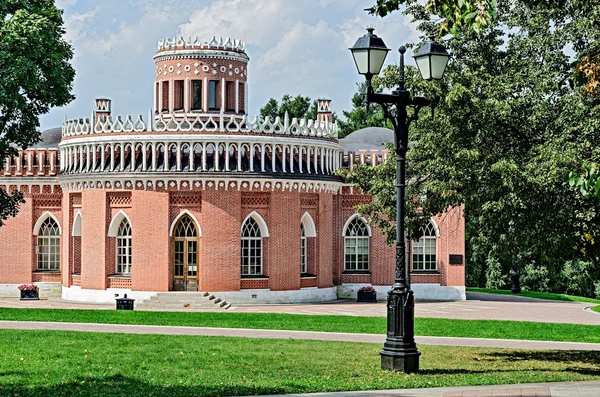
(456,259)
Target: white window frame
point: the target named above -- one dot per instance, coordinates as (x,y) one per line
(123,242)
(245,259)
(303,251)
(356,239)
(428,238)
(48,238)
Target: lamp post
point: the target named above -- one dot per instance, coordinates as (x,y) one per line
(399,350)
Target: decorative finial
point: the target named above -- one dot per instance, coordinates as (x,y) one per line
(402,50)
(370,29)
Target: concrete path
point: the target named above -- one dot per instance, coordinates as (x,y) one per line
(562,389)
(477,307)
(305,335)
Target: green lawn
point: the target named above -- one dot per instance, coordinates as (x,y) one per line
(596,309)
(52,363)
(367,325)
(538,295)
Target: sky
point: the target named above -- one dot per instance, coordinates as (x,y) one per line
(295,47)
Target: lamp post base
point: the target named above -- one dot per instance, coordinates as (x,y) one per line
(406,362)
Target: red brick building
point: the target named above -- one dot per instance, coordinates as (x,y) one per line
(199,197)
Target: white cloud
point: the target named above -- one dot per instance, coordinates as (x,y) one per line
(65,3)
(296,47)
(75,25)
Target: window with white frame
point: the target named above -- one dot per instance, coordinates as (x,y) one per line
(124,248)
(251,248)
(424,255)
(356,246)
(48,246)
(303,256)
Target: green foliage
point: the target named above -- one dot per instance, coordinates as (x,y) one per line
(535,278)
(35,75)
(577,278)
(510,125)
(296,107)
(358,118)
(459,15)
(495,277)
(587,181)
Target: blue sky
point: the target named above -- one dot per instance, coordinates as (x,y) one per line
(295,46)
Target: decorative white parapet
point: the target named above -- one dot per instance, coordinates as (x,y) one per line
(201,123)
(178,42)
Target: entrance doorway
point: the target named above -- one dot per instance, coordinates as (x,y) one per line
(185,255)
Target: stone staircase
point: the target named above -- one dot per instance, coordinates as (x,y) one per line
(183,301)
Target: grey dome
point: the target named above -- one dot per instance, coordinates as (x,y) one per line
(50,139)
(370,138)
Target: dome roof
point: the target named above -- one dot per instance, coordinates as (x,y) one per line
(50,139)
(370,138)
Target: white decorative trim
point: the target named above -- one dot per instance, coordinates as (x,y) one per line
(76,231)
(264,230)
(309,225)
(41,219)
(178,217)
(113,229)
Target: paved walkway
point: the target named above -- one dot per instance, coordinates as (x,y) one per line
(280,334)
(562,389)
(476,307)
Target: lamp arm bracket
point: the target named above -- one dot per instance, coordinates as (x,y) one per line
(388,114)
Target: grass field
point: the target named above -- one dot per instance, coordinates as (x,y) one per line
(596,309)
(538,295)
(367,325)
(52,363)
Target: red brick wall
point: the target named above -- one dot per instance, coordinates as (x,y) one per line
(221,223)
(93,239)
(284,246)
(325,240)
(16,246)
(151,245)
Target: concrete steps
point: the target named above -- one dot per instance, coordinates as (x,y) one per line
(183,301)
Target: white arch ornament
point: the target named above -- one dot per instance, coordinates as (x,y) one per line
(351,219)
(41,219)
(178,217)
(309,225)
(113,228)
(264,230)
(76,231)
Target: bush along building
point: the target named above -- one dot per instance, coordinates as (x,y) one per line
(199,197)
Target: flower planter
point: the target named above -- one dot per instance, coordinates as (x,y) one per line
(366,296)
(30,295)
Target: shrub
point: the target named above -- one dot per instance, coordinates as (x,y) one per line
(535,278)
(576,279)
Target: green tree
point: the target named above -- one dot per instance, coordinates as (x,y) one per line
(296,107)
(459,15)
(511,122)
(35,75)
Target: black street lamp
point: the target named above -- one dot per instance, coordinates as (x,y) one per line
(399,350)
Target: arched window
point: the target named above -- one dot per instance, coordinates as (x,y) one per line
(251,248)
(424,255)
(303,253)
(123,242)
(49,245)
(186,228)
(356,246)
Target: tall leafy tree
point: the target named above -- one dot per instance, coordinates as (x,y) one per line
(511,122)
(298,107)
(35,75)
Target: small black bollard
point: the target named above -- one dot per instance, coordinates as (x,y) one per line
(125,303)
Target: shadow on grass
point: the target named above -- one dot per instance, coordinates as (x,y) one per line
(123,386)
(573,359)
